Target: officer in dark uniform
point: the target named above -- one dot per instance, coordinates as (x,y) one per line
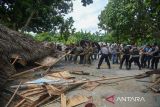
(104,55)
(134,57)
(126,56)
(155,59)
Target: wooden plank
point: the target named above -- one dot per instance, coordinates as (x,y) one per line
(20,103)
(76,100)
(37,101)
(31,90)
(34,93)
(56,90)
(43,101)
(63,74)
(53,90)
(35,97)
(63,100)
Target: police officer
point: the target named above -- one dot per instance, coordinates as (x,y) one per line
(125,57)
(104,55)
(155,59)
(134,57)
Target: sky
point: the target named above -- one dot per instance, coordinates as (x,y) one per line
(86,18)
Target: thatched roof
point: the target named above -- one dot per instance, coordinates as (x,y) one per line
(12,42)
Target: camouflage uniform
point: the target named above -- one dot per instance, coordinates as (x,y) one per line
(87,54)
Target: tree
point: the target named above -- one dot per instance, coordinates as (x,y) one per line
(128,17)
(66,28)
(35,15)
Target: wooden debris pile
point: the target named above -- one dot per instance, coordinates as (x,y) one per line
(48,88)
(155,78)
(53,86)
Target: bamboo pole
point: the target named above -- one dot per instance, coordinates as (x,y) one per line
(27,71)
(13,95)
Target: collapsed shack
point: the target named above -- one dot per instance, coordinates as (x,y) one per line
(24,47)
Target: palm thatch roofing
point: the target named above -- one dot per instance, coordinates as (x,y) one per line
(12,42)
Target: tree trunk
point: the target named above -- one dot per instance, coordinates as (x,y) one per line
(28,20)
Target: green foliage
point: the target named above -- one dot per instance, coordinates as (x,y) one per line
(135,19)
(36,15)
(72,39)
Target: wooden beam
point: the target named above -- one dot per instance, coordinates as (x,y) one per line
(27,71)
(63,100)
(20,103)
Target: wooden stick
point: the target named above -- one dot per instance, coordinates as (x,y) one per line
(56,62)
(31,90)
(155,83)
(13,95)
(15,60)
(27,71)
(43,101)
(155,90)
(20,103)
(102,79)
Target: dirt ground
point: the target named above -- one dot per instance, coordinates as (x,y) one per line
(124,88)
(120,88)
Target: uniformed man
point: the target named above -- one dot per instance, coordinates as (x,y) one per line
(155,54)
(87,54)
(67,49)
(144,57)
(134,57)
(125,57)
(78,49)
(90,54)
(95,52)
(148,56)
(104,55)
